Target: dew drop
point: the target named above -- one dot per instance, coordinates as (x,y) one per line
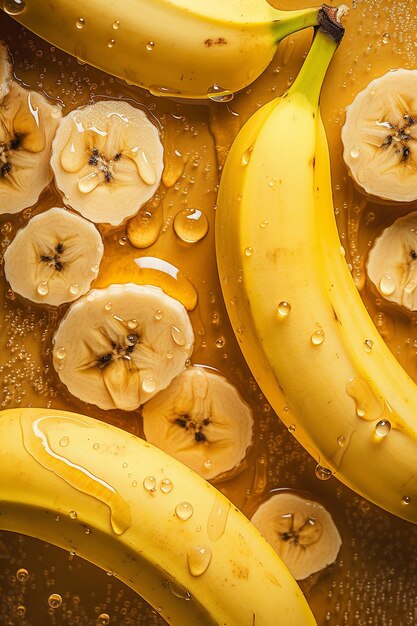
(96,446)
(74,289)
(149,483)
(170,354)
(283,309)
(22,574)
(64,441)
(355,153)
(60,353)
(104,618)
(150,46)
(291,428)
(149,384)
(341,441)
(166,485)
(382,428)
(368,345)
(54,600)
(73,514)
(317,337)
(219,94)
(198,560)
(111,43)
(387,284)
(323,473)
(123,241)
(386,37)
(246,156)
(95,269)
(132,324)
(80,23)
(178,336)
(191,225)
(14,7)
(43,288)
(158,315)
(248,251)
(406,499)
(116,25)
(217,519)
(220,342)
(108,306)
(184,510)
(208,463)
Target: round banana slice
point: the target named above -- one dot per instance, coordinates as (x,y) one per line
(119,346)
(5,70)
(302,532)
(379,137)
(54,258)
(27,125)
(200,420)
(107,160)
(392,262)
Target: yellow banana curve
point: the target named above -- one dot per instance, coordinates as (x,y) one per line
(181,48)
(295,309)
(131,509)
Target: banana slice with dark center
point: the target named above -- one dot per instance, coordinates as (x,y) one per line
(119,346)
(27,125)
(107,160)
(380,135)
(202,421)
(54,258)
(5,70)
(301,531)
(392,262)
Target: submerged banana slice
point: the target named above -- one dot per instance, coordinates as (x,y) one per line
(301,531)
(54,258)
(392,262)
(107,160)
(379,136)
(119,346)
(201,420)
(27,125)
(5,70)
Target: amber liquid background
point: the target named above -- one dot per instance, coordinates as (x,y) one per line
(373,580)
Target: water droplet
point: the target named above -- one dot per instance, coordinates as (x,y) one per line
(386,38)
(150,46)
(382,428)
(190,225)
(178,336)
(198,560)
(217,519)
(108,306)
(74,289)
(149,483)
(123,241)
(184,510)
(104,618)
(264,224)
(73,514)
(248,251)
(323,473)
(64,441)
(368,406)
(43,288)
(283,309)
(22,574)
(220,342)
(246,156)
(111,43)
(355,153)
(368,345)
(96,446)
(20,609)
(291,428)
(87,531)
(132,324)
(387,284)
(14,7)
(149,384)
(116,25)
(80,23)
(170,354)
(95,269)
(317,337)
(54,600)
(219,94)
(341,441)
(73,553)
(166,485)
(208,463)
(158,315)
(60,353)
(406,499)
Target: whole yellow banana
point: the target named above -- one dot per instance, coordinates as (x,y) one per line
(131,509)
(295,309)
(181,48)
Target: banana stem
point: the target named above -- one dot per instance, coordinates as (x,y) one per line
(293,21)
(328,35)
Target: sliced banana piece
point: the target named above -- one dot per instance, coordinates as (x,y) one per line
(392,262)
(107,160)
(54,258)
(5,70)
(379,137)
(27,125)
(202,421)
(119,346)
(301,531)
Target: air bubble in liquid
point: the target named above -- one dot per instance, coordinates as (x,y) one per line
(54,600)
(22,574)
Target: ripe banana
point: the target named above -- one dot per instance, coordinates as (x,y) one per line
(181,48)
(128,507)
(296,312)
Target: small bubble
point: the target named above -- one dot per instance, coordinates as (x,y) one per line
(166,485)
(104,618)
(149,384)
(368,344)
(386,37)
(43,288)
(323,473)
(341,441)
(14,7)
(87,531)
(54,600)
(219,94)
(73,514)
(184,510)
(64,441)
(20,609)
(96,446)
(22,574)
(387,284)
(149,483)
(291,428)
(355,153)
(60,353)
(116,25)
(382,428)
(406,499)
(283,309)
(317,337)
(80,23)
(110,45)
(150,46)
(74,289)
(220,342)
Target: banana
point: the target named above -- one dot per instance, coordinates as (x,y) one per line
(181,48)
(392,263)
(54,258)
(119,346)
(294,306)
(100,492)
(301,531)
(201,420)
(5,70)
(379,137)
(107,160)
(27,125)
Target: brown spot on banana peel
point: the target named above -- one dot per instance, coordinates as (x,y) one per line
(220,41)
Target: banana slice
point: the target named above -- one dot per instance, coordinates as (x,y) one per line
(302,532)
(200,420)
(392,262)
(27,125)
(54,258)
(107,160)
(379,137)
(5,70)
(119,346)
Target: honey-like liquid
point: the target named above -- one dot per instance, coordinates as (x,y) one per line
(373,580)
